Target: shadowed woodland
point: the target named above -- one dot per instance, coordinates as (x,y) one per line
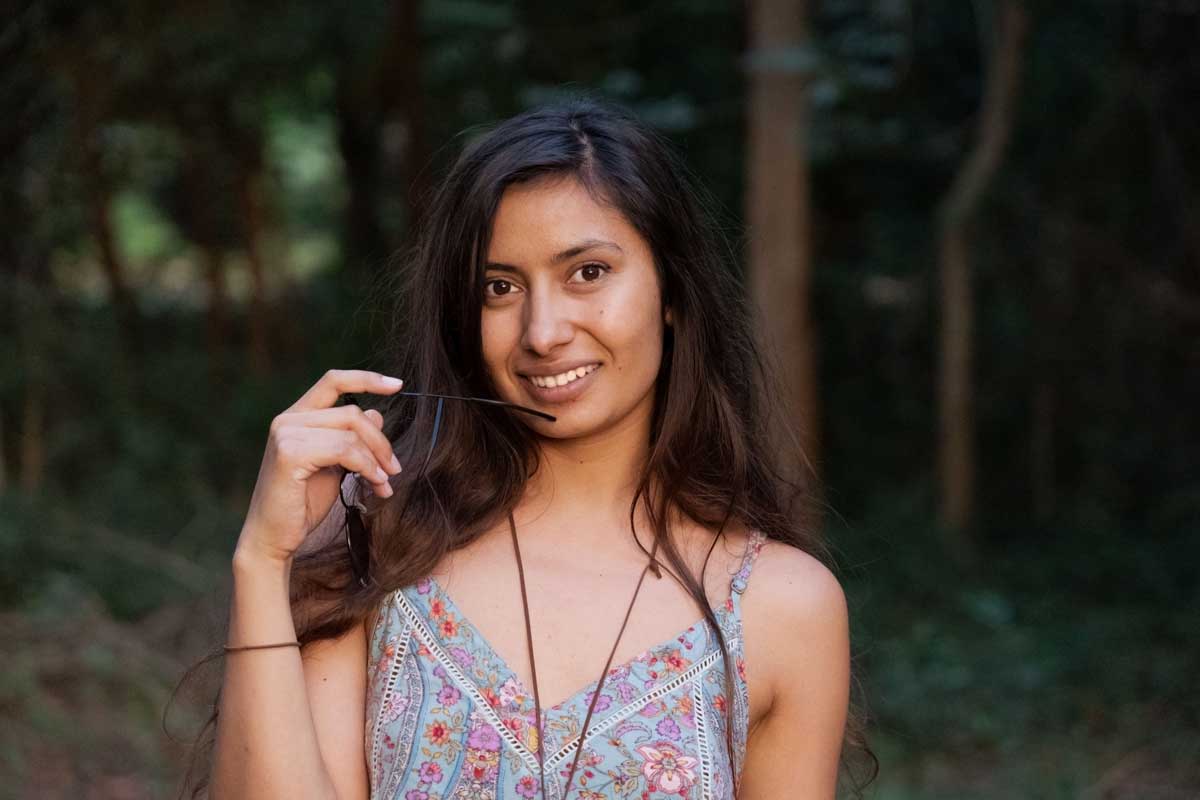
(972,231)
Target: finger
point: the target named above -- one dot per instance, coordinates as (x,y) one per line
(337,382)
(310,449)
(351,418)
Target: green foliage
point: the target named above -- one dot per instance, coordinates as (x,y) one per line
(1027,675)
(1058,663)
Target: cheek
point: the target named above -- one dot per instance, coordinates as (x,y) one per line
(496,347)
(633,324)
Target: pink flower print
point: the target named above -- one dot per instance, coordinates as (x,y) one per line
(416,794)
(395,708)
(650,709)
(423,586)
(437,607)
(527,786)
(515,724)
(667,769)
(481,766)
(602,704)
(676,662)
(668,727)
(462,656)
(588,758)
(483,737)
(741,668)
(448,695)
(684,712)
(510,690)
(626,691)
(430,772)
(437,732)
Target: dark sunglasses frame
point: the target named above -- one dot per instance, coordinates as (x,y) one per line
(356,529)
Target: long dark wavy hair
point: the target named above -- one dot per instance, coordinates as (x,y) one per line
(714,450)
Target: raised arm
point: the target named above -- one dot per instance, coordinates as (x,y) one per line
(290,722)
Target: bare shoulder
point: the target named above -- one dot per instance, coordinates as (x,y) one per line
(794,614)
(788,581)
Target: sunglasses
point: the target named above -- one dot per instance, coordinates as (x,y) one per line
(356,529)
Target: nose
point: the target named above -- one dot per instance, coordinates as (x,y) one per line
(547,323)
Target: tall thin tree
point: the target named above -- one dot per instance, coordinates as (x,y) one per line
(777,203)
(956,213)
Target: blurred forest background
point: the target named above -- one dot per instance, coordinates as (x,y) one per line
(975,227)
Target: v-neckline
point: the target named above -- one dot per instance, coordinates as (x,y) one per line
(526,692)
(721,611)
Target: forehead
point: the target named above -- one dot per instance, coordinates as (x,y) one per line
(537,219)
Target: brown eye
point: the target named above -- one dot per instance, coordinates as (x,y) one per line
(591,272)
(500,287)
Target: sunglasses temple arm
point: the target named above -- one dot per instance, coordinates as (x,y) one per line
(487,400)
(437,425)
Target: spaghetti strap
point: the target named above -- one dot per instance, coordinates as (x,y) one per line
(429,663)
(754,546)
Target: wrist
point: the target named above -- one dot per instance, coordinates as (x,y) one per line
(248,559)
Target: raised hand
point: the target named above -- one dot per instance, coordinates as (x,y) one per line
(299,479)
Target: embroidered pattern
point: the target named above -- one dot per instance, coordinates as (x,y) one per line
(447,719)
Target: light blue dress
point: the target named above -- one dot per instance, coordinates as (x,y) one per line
(447,719)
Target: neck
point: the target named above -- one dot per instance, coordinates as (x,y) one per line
(590,478)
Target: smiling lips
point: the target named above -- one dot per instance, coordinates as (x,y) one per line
(563,378)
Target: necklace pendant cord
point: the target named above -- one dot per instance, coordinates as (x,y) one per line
(537,703)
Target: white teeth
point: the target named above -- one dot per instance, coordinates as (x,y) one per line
(562,379)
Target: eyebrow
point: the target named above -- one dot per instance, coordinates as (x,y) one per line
(569,253)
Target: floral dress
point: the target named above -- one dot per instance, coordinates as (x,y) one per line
(447,719)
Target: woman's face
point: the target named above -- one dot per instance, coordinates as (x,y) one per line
(572,313)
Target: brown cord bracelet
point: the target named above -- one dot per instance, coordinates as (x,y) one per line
(229,649)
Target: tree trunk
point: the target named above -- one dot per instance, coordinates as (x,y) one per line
(778,208)
(3,456)
(358,144)
(401,81)
(33,435)
(382,137)
(90,98)
(34,301)
(956,450)
(218,312)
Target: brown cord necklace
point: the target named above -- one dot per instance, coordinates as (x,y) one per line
(537,704)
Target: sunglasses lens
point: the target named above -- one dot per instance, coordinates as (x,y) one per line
(356,541)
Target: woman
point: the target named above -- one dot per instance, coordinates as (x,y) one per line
(565,266)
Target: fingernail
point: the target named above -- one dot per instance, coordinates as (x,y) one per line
(380,474)
(390,381)
(395,463)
